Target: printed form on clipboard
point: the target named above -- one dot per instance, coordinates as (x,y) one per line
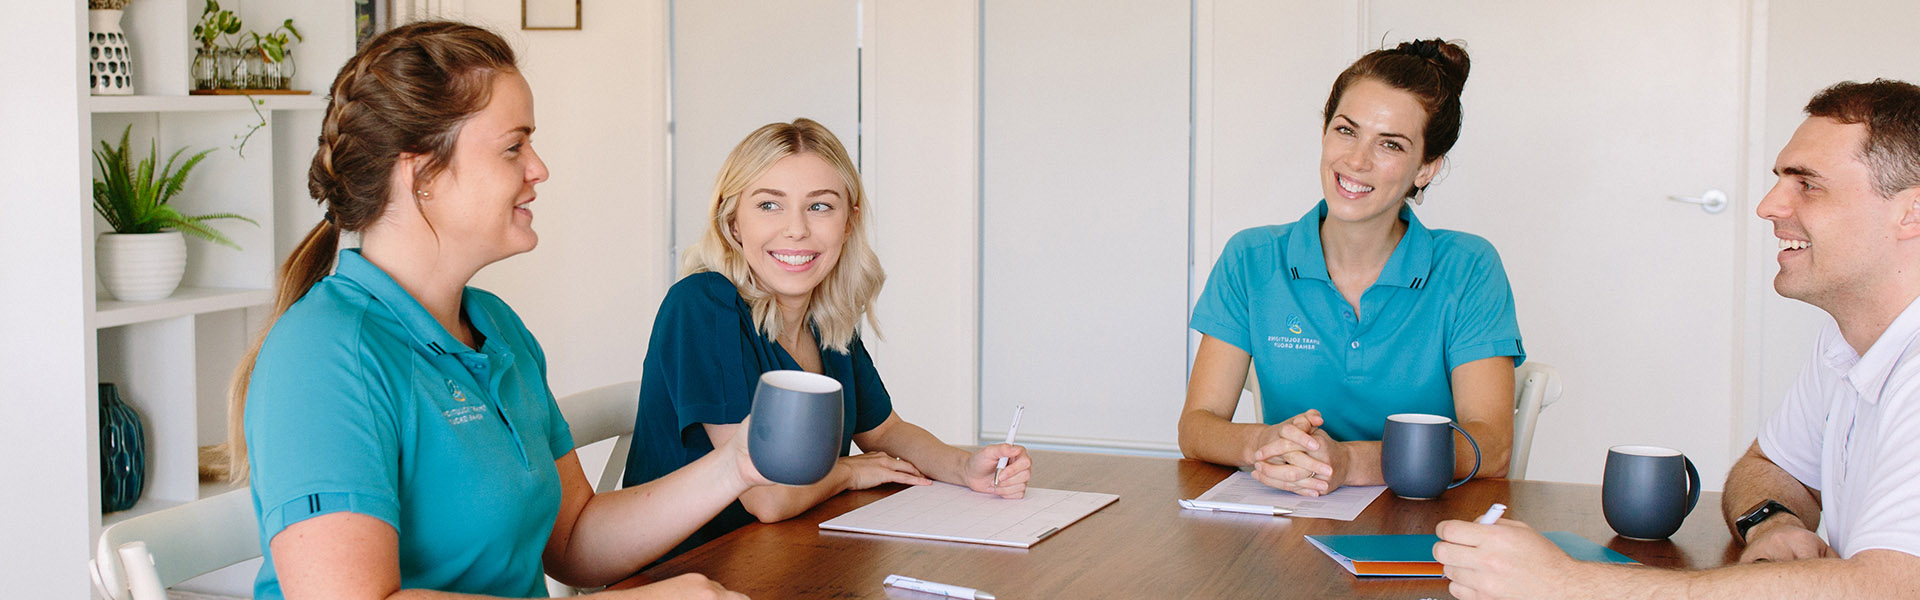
(941,511)
(1241,488)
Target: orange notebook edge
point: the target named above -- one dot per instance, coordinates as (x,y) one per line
(1399,569)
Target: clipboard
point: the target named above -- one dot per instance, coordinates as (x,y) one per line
(951,513)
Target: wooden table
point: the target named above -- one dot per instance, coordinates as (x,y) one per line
(1144,546)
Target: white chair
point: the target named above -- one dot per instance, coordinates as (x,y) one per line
(139,558)
(1536,386)
(596,415)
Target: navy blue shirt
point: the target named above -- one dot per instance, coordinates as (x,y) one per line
(703,363)
(1441,301)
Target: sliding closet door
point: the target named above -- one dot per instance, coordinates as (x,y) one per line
(740,64)
(1084,142)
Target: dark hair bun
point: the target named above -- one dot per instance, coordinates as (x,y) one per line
(1450,57)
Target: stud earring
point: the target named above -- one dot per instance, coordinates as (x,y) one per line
(423,194)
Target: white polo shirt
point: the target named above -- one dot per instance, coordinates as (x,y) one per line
(1850,427)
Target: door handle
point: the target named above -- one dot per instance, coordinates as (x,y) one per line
(1713,201)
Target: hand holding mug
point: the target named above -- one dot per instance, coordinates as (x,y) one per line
(735,450)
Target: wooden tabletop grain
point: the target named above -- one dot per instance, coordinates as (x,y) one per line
(1144,546)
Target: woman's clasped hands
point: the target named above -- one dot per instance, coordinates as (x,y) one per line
(1295,455)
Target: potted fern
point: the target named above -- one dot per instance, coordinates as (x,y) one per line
(146,255)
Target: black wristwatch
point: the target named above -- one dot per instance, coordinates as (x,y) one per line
(1759,513)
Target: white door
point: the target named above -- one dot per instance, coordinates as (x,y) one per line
(1084,178)
(1580,119)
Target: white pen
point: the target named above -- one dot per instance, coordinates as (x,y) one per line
(1252,509)
(1493,514)
(950,591)
(1010,429)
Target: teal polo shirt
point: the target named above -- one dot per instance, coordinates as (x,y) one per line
(1441,301)
(362,402)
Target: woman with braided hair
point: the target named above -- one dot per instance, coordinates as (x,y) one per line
(396,424)
(1357,311)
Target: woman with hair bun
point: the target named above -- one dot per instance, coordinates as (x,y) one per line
(780,279)
(396,425)
(1357,311)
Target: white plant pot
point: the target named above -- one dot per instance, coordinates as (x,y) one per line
(140,266)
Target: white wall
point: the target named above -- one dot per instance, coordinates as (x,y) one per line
(53,462)
(590,290)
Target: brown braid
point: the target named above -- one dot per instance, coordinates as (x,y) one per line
(406,92)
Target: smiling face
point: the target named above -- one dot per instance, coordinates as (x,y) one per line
(791,224)
(480,203)
(1837,236)
(1370,152)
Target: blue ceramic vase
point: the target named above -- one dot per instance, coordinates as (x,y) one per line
(123,452)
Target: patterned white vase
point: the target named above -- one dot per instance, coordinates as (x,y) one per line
(109,59)
(140,266)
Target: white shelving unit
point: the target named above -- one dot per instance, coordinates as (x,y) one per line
(171,358)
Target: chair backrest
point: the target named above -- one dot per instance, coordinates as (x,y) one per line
(1252,385)
(137,559)
(603,413)
(596,415)
(1536,386)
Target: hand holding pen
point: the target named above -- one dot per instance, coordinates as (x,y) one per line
(1001,469)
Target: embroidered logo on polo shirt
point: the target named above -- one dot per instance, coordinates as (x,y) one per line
(1297,341)
(465,413)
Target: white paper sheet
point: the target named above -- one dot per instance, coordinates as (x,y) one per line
(1343,504)
(940,511)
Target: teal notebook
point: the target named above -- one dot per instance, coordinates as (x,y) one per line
(1412,555)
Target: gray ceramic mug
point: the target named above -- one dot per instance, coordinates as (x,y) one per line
(1416,455)
(1648,491)
(795,435)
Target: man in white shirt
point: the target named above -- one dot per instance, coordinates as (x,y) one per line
(1845,445)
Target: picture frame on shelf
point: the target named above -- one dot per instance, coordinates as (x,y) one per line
(550,14)
(370,17)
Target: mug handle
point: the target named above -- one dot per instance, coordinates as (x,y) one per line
(1476,464)
(1693,484)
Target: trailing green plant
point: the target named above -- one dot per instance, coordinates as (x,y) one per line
(133,198)
(106,4)
(216,24)
(273,44)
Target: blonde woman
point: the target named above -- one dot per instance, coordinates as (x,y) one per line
(780,280)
